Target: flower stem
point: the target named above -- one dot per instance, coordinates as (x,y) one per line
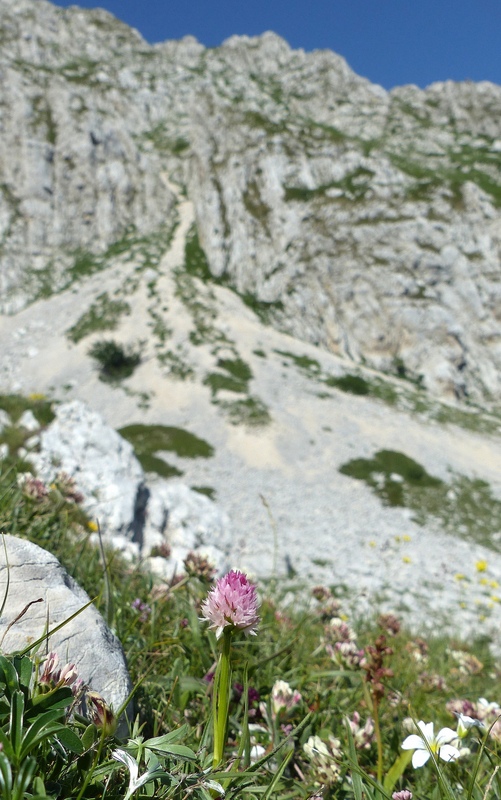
(221,698)
(377,731)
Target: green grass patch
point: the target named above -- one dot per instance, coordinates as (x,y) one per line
(208,491)
(353,186)
(310,366)
(235,376)
(156,438)
(464,506)
(255,205)
(104,314)
(195,260)
(15,405)
(250,411)
(176,365)
(152,463)
(354,384)
(219,382)
(145,251)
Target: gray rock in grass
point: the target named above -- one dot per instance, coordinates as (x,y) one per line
(36,575)
(107,473)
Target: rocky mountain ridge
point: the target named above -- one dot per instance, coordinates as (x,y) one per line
(300,273)
(366,222)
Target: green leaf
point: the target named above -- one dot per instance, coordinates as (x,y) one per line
(358,786)
(24,668)
(39,787)
(6,747)
(23,778)
(70,740)
(176,750)
(16,722)
(271,788)
(45,733)
(8,676)
(168,738)
(89,736)
(58,699)
(5,777)
(32,735)
(397,769)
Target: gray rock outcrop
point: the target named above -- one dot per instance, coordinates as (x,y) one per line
(134,515)
(102,463)
(34,574)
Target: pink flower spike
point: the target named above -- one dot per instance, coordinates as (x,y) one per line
(232,603)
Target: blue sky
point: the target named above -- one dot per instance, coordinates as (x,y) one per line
(391,42)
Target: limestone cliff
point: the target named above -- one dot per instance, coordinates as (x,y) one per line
(363,221)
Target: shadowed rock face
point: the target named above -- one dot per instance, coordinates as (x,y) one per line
(366,222)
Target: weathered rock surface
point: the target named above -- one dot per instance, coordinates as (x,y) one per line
(363,221)
(103,465)
(134,515)
(86,640)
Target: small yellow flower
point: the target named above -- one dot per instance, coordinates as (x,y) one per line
(406,537)
(462,604)
(481,565)
(484,581)
(36,397)
(92,526)
(407,560)
(495,598)
(372,543)
(459,576)
(494,584)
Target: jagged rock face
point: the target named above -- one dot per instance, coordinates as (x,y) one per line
(73,179)
(368,221)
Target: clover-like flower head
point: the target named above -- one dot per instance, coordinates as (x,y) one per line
(232,603)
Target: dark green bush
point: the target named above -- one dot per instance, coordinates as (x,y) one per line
(116,362)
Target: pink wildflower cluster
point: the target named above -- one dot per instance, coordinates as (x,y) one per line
(68,487)
(431,682)
(390,624)
(90,703)
(33,487)
(467,663)
(143,609)
(326,758)
(54,676)
(418,649)
(100,713)
(486,714)
(232,603)
(284,699)
(328,605)
(341,644)
(363,736)
(199,566)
